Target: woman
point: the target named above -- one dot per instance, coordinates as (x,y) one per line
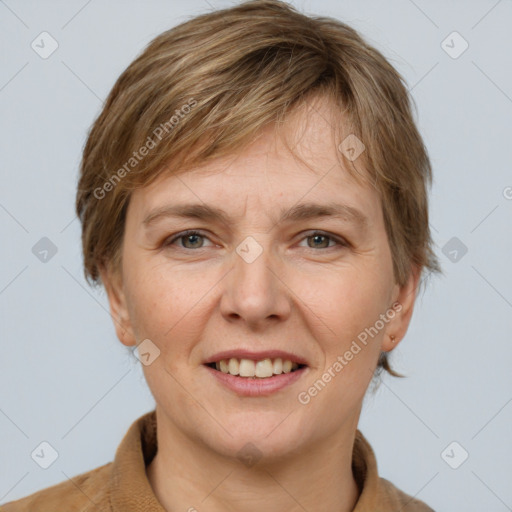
(253,197)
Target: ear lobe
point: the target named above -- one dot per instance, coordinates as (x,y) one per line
(403,305)
(112,281)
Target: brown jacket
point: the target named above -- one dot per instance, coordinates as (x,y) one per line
(122,485)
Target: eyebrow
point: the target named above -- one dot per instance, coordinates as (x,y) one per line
(304,211)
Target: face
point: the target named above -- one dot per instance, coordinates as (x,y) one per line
(254,285)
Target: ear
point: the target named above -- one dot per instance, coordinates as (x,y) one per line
(404,298)
(113,283)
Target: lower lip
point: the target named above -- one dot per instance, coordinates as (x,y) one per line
(248,386)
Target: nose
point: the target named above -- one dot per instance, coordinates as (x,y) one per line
(255,291)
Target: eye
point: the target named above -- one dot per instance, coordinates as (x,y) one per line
(191,237)
(319,240)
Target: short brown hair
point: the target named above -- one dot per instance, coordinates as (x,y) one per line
(204,89)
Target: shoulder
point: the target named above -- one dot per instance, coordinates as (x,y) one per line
(81,493)
(394,496)
(378,494)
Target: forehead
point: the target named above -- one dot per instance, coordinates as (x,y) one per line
(299,161)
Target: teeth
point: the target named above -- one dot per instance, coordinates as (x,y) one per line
(264,368)
(247,368)
(261,369)
(287,366)
(234,366)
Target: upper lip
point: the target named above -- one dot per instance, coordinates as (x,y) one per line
(255,356)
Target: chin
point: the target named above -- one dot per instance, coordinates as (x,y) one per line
(257,437)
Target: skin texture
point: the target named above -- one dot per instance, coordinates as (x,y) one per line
(311,296)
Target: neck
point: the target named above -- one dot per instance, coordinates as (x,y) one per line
(186,475)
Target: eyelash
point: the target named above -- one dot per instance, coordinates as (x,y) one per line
(170,241)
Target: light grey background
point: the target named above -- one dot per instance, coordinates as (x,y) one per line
(66,379)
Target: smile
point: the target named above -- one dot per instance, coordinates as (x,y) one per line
(261,369)
(251,374)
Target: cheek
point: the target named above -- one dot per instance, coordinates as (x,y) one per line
(344,301)
(341,321)
(165,306)
(149,307)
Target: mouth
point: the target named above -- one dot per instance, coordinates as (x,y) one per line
(264,368)
(256,374)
